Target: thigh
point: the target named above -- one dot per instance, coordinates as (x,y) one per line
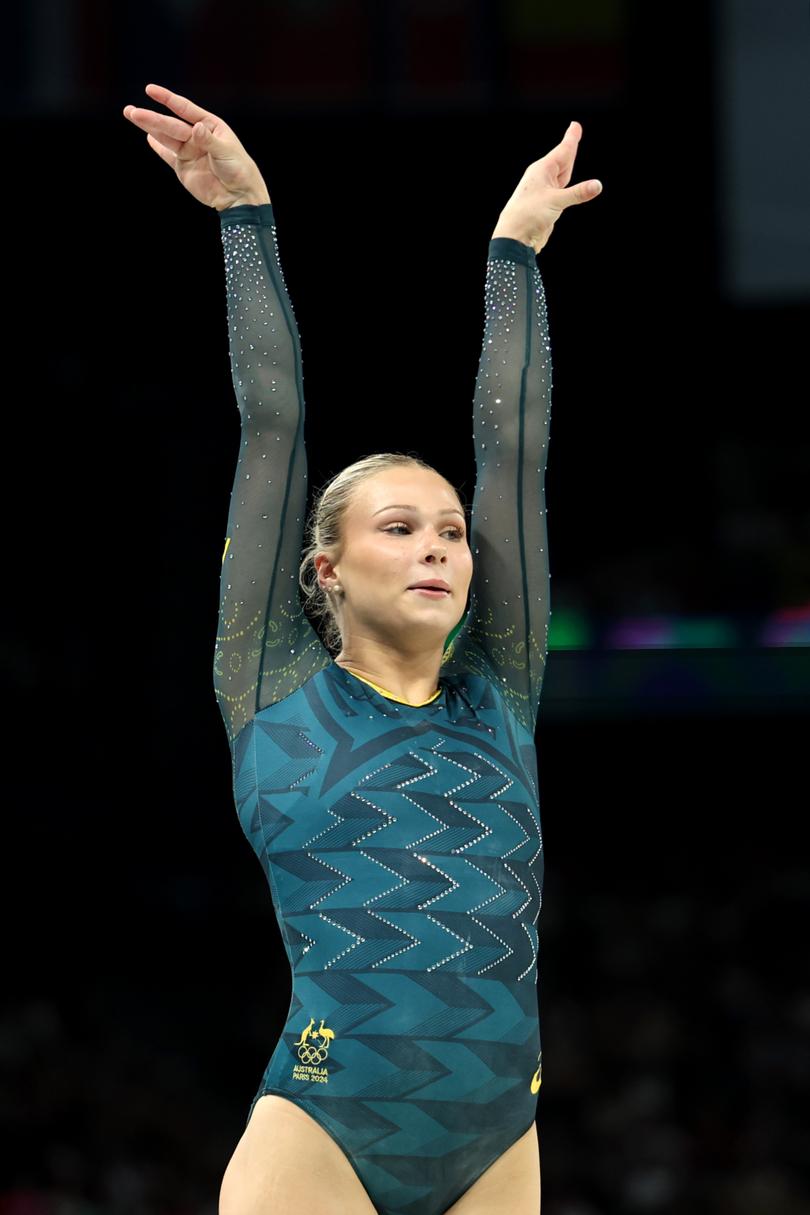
(511,1184)
(286,1163)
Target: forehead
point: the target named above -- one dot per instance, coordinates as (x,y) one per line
(420,487)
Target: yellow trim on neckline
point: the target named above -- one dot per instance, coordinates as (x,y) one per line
(390,695)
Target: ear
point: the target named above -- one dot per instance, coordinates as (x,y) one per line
(326,571)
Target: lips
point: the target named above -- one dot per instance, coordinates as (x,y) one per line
(433,584)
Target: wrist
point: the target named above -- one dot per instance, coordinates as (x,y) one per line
(248,200)
(513,233)
(517,228)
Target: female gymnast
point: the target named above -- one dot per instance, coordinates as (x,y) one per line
(386,779)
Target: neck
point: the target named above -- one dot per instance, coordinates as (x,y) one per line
(410,679)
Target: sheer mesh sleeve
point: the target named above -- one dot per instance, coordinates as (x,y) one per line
(265,645)
(505,634)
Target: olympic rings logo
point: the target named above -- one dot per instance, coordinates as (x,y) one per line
(312,1054)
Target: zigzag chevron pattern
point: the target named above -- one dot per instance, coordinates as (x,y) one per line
(403,849)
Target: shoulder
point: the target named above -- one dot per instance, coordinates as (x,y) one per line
(489,698)
(478,689)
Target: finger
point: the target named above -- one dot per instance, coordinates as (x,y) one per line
(171,131)
(163,152)
(563,154)
(570,139)
(203,139)
(181,105)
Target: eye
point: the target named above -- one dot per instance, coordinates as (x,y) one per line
(458,532)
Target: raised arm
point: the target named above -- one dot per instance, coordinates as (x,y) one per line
(265,645)
(505,635)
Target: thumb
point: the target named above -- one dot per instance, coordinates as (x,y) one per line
(584,190)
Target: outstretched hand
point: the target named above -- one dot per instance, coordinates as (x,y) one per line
(541,195)
(202,149)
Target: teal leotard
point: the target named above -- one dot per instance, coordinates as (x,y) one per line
(401,843)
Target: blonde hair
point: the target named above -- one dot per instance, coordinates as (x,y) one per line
(324,532)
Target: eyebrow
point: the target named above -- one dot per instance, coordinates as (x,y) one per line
(452,510)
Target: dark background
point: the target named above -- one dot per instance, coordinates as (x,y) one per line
(145,980)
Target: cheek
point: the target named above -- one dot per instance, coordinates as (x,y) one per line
(387,558)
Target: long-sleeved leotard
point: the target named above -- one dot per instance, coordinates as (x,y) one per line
(402,843)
